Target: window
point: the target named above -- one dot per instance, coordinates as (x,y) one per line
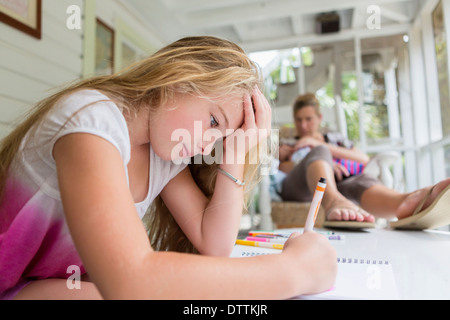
(280,69)
(440,40)
(307,56)
(447,160)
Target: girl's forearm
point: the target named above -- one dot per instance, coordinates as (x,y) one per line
(181,276)
(222,216)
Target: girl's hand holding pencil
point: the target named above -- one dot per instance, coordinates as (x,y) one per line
(315,260)
(309,257)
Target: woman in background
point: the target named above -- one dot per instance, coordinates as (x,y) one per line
(335,158)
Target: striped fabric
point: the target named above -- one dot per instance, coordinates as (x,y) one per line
(353,167)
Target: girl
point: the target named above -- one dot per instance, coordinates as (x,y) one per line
(78,176)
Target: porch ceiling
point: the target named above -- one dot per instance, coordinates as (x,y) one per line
(269,24)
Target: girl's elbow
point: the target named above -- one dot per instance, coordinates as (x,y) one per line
(222,251)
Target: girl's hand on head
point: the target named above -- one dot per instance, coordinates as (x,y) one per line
(257,124)
(258,113)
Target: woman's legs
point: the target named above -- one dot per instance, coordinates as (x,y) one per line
(336,206)
(301,182)
(375,198)
(338,199)
(382,201)
(387,203)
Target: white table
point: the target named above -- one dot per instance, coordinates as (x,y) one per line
(420,259)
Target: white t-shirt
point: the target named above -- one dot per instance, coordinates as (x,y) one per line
(103,119)
(35,242)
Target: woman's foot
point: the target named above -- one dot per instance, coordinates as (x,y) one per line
(342,209)
(413,200)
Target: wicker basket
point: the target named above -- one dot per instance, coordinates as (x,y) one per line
(294,214)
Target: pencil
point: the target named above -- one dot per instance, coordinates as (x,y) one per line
(274,235)
(267,234)
(260,244)
(315,205)
(269,240)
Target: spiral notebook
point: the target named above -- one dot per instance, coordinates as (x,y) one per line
(359,279)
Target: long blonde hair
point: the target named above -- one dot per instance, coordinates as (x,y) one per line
(203,66)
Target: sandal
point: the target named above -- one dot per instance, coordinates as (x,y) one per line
(346,224)
(435,216)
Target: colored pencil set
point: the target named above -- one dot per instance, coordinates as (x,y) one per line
(274,240)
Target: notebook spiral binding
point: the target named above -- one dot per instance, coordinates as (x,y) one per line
(252,254)
(362,261)
(339,260)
